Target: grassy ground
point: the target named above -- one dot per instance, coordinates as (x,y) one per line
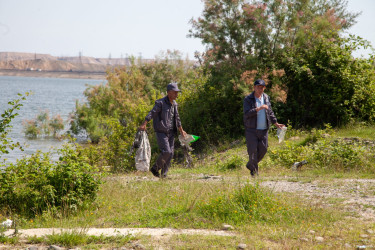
(217,191)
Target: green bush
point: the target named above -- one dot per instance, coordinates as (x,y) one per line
(324,153)
(36,183)
(6,117)
(212,110)
(325,84)
(43,125)
(113,150)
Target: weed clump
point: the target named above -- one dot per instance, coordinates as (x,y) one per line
(234,162)
(249,203)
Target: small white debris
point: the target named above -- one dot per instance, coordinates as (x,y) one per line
(241,246)
(319,239)
(370,231)
(7,223)
(227,227)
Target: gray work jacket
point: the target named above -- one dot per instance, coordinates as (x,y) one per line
(250,114)
(160,114)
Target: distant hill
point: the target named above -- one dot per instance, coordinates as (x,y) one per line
(46,62)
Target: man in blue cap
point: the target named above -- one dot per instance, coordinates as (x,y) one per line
(166,121)
(258,116)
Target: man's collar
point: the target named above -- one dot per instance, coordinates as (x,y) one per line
(168,101)
(252,95)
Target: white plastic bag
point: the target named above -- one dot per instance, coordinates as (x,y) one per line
(185,141)
(281,133)
(143,153)
(7,223)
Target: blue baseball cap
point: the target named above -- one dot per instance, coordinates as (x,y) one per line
(259,82)
(173,86)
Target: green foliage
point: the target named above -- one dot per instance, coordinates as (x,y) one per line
(43,125)
(127,97)
(113,150)
(249,203)
(234,162)
(339,155)
(211,111)
(247,34)
(6,117)
(316,134)
(9,240)
(129,94)
(245,41)
(323,152)
(327,85)
(36,184)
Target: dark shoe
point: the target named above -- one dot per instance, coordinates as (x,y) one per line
(165,177)
(254,173)
(155,172)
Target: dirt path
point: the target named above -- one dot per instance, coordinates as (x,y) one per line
(154,232)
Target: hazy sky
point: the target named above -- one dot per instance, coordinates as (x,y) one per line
(100,28)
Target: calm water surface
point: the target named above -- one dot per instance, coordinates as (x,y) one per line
(58,96)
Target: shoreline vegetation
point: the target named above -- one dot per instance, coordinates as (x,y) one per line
(54,74)
(318,89)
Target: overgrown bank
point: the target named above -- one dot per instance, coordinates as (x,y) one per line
(310,210)
(314,83)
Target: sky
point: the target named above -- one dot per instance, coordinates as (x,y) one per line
(118,28)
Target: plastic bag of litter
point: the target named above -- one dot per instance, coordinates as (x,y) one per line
(143,153)
(185,141)
(281,133)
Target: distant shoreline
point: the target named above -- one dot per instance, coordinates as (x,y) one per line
(54,74)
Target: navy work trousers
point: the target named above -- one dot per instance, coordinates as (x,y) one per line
(166,146)
(257,144)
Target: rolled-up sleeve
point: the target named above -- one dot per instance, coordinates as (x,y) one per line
(154,111)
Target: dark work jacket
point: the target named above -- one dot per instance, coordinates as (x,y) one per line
(160,114)
(250,114)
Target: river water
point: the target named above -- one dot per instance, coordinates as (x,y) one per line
(56,95)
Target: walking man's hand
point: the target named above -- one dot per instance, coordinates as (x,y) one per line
(279,125)
(184,134)
(143,126)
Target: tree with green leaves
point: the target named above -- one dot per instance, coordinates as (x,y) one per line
(326,84)
(248,39)
(6,117)
(113,111)
(248,34)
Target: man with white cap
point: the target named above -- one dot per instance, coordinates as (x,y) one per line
(166,122)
